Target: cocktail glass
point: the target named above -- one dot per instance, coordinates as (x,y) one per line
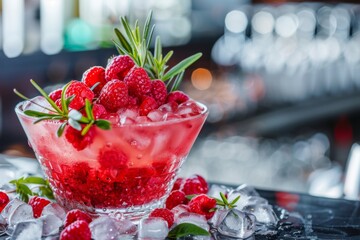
(129,169)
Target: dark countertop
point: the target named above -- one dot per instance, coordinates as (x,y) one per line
(320,218)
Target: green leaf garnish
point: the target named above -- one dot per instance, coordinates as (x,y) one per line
(181,66)
(103,124)
(186,229)
(74,118)
(61,129)
(131,42)
(224,202)
(32,186)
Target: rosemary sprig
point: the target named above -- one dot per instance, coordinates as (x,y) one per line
(136,45)
(72,117)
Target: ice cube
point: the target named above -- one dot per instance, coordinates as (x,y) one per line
(245,200)
(125,228)
(193,218)
(215,190)
(168,107)
(142,119)
(103,228)
(246,190)
(10,207)
(128,116)
(201,238)
(155,115)
(38,104)
(51,224)
(153,227)
(237,224)
(179,209)
(27,230)
(2,220)
(264,213)
(2,229)
(54,209)
(189,108)
(170,116)
(21,213)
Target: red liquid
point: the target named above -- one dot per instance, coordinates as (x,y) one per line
(127,167)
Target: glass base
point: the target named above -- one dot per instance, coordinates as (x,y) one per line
(133,213)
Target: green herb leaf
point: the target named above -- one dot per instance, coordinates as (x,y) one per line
(235,201)
(36,183)
(181,66)
(65,101)
(23,191)
(147,32)
(46,192)
(61,129)
(124,43)
(45,95)
(34,180)
(20,95)
(86,128)
(186,229)
(103,124)
(89,109)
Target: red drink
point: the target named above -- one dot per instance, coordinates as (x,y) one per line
(130,168)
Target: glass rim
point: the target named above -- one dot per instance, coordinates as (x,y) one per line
(204,112)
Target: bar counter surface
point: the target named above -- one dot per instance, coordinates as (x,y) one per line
(306,216)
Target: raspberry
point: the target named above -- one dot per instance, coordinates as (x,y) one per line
(94,75)
(4,200)
(177,185)
(56,94)
(138,82)
(78,141)
(76,215)
(147,105)
(158,91)
(195,185)
(165,214)
(202,204)
(133,102)
(112,158)
(80,92)
(175,198)
(114,95)
(118,67)
(38,204)
(98,110)
(177,96)
(78,230)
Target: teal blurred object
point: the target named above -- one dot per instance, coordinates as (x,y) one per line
(79,35)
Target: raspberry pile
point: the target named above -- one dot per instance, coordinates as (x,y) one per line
(123,93)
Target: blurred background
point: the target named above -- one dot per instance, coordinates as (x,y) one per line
(281,80)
